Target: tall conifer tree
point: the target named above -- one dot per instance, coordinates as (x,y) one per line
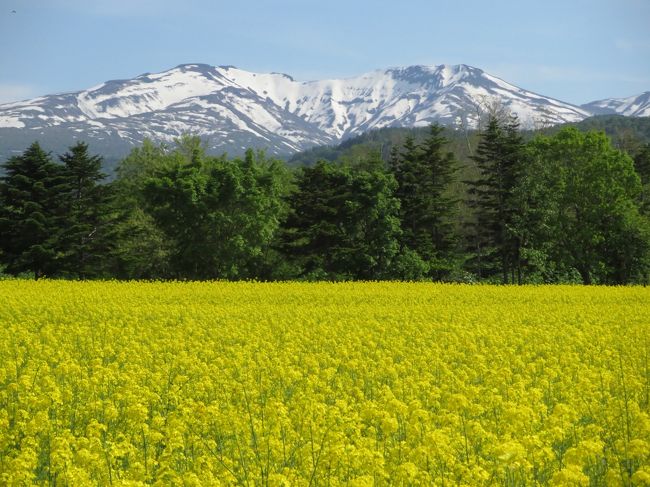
(343,223)
(86,227)
(495,240)
(29,205)
(424,174)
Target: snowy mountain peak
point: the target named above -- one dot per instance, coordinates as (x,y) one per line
(632,106)
(446,72)
(235,108)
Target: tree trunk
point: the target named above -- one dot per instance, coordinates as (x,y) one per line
(519,263)
(585,274)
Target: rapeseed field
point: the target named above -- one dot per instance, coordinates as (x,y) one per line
(296,384)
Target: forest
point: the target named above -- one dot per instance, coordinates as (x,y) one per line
(564,205)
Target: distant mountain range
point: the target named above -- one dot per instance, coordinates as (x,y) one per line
(633,106)
(235,109)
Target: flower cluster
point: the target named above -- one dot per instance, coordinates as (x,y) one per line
(298,384)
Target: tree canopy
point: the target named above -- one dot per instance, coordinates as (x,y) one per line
(568,206)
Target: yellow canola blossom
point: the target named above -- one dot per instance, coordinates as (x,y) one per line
(296,384)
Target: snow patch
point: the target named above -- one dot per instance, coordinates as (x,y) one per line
(11,122)
(276,109)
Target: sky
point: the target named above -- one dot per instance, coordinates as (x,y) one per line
(573,50)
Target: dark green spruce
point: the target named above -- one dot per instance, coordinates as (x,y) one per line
(424,174)
(87,234)
(343,223)
(30,211)
(494,242)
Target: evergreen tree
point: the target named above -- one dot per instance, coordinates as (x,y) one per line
(88,228)
(436,238)
(406,170)
(642,167)
(313,230)
(424,174)
(29,207)
(343,223)
(495,239)
(517,231)
(642,163)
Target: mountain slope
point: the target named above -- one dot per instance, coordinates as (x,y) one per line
(632,106)
(625,133)
(235,109)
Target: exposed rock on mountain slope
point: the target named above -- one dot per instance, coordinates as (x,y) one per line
(235,109)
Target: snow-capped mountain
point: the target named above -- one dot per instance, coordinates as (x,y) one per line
(235,109)
(633,106)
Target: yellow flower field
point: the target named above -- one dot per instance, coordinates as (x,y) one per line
(323,384)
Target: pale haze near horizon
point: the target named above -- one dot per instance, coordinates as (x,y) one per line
(576,51)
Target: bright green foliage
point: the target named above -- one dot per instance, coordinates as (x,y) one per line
(219,215)
(29,207)
(143,162)
(569,208)
(343,223)
(143,250)
(584,207)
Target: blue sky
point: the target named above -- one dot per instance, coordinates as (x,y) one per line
(574,50)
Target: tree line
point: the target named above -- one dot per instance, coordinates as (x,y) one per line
(567,207)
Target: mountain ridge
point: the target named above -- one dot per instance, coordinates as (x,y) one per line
(235,109)
(631,106)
